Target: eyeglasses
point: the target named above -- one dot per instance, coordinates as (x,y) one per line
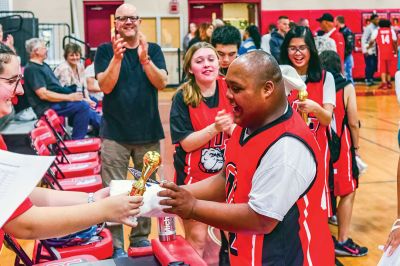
(16,79)
(125,18)
(295,49)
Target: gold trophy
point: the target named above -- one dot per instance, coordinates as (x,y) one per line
(151,161)
(302,96)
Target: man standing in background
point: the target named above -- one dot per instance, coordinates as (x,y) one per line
(348,36)
(130,72)
(371,60)
(277,37)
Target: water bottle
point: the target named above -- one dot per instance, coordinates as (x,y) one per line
(166,225)
(79,89)
(166,229)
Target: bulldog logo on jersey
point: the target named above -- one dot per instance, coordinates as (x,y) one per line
(212,160)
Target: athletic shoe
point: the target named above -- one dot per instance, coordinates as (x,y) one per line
(119,253)
(140,244)
(349,248)
(383,86)
(333,220)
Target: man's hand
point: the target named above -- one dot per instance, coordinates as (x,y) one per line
(118,45)
(181,201)
(143,47)
(223,121)
(75,96)
(122,208)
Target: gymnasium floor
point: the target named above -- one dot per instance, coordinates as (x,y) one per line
(375,203)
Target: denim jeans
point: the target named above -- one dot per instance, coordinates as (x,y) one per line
(371,64)
(81,116)
(348,67)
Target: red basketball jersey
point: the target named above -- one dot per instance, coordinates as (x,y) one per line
(316,92)
(344,176)
(208,159)
(302,237)
(384,42)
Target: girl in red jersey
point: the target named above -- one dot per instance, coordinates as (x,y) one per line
(345,171)
(200,123)
(298,50)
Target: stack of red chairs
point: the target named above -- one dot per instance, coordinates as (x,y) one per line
(73,175)
(68,145)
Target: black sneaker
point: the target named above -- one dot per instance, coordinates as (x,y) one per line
(349,248)
(140,244)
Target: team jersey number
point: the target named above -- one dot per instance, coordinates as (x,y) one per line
(385,38)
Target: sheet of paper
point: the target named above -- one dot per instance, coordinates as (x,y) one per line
(19,174)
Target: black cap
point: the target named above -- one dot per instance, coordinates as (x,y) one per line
(326,16)
(373,16)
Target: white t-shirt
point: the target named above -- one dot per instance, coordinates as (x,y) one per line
(265,42)
(284,174)
(329,88)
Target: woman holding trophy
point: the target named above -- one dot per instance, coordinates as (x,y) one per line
(298,50)
(201,123)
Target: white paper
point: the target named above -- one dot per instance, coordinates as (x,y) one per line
(19,174)
(393,260)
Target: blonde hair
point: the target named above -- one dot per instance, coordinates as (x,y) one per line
(190,90)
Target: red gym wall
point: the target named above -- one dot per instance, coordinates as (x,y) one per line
(354,20)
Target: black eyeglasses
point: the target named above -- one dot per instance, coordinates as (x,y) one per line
(295,49)
(16,79)
(125,18)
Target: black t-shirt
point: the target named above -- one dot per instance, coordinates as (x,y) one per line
(180,123)
(130,111)
(37,76)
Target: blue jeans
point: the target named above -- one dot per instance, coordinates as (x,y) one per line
(371,64)
(81,116)
(348,67)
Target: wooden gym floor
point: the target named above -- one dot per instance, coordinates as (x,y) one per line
(375,203)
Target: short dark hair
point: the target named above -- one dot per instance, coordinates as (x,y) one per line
(72,48)
(6,53)
(226,35)
(330,61)
(384,23)
(373,16)
(283,17)
(314,70)
(340,19)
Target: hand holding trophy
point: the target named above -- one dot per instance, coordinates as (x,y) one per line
(151,161)
(302,96)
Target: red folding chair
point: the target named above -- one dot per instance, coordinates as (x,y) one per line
(51,142)
(72,146)
(86,183)
(23,259)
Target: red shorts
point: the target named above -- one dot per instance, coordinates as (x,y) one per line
(384,65)
(345,181)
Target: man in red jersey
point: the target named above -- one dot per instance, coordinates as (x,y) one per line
(327,25)
(269,195)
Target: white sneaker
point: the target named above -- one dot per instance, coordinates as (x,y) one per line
(362,166)
(26,115)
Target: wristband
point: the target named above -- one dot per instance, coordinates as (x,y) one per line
(91,198)
(394,227)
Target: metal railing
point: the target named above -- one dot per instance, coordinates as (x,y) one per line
(22,25)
